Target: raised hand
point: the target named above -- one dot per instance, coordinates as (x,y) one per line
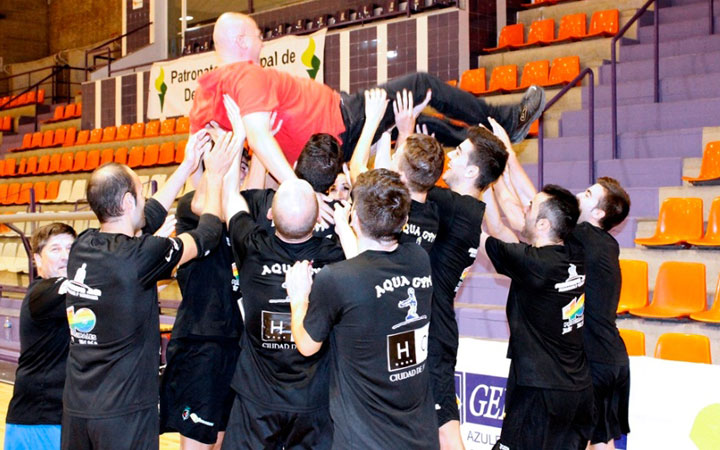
(298,282)
(168,227)
(198,144)
(233,113)
(219,160)
(375,105)
(404,114)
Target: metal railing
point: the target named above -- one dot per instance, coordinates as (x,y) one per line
(104,51)
(591,124)
(656,59)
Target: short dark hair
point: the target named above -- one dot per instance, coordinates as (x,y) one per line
(382,203)
(106,188)
(615,203)
(561,209)
(422,162)
(320,161)
(489,155)
(42,235)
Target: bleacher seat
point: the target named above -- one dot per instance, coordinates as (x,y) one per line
(503,79)
(32,166)
(26,142)
(79,161)
(473,81)
(40,188)
(48,139)
(135,157)
(167,127)
(95,136)
(9,167)
(572,27)
(40,96)
(3,191)
(58,113)
(55,161)
(152,128)
(59,138)
(43,164)
(634,341)
(167,153)
(541,32)
(712,315)
(30,98)
(683,347)
(123,133)
(64,191)
(66,162)
(710,166)
(37,139)
(604,23)
(70,135)
(536,72)
(121,155)
(92,161)
(21,167)
(509,35)
(182,126)
(78,110)
(634,287)
(69,111)
(711,238)
(679,291)
(12,194)
(24,195)
(108,134)
(7,260)
(78,191)
(7,123)
(137,130)
(680,220)
(82,137)
(564,70)
(107,155)
(52,188)
(150,157)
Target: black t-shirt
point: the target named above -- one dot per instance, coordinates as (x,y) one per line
(422,225)
(209,288)
(44,341)
(375,309)
(112,309)
(602,293)
(452,254)
(260,201)
(545,309)
(270,371)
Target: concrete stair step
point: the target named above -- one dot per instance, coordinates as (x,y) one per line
(706,193)
(678,13)
(629,51)
(685,87)
(655,257)
(671,66)
(677,29)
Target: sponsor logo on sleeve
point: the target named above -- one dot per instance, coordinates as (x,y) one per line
(77,286)
(573,281)
(82,322)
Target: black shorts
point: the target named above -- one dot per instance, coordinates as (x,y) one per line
(442,384)
(611,385)
(254,426)
(195,393)
(551,419)
(137,431)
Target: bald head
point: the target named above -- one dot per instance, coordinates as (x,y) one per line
(295,209)
(237,38)
(107,187)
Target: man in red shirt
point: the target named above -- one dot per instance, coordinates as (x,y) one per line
(307,107)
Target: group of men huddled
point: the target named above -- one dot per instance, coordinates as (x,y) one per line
(320,314)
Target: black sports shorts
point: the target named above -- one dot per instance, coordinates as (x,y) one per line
(195,393)
(611,386)
(254,426)
(137,431)
(442,384)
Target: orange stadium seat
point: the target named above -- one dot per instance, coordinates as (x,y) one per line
(43,164)
(2,167)
(683,347)
(69,111)
(634,287)
(167,127)
(78,110)
(12,194)
(9,169)
(21,168)
(710,167)
(634,341)
(107,155)
(473,81)
(137,130)
(123,133)
(24,195)
(534,128)
(712,315)
(680,220)
(711,238)
(4,100)
(541,32)
(509,35)
(503,79)
(51,190)
(92,161)
(66,162)
(152,128)
(182,126)
(95,136)
(70,135)
(22,100)
(108,134)
(121,155)
(48,139)
(604,23)
(167,153)
(27,141)
(40,188)
(452,83)
(536,72)
(150,158)
(180,151)
(58,113)
(572,27)
(59,138)
(37,139)
(3,192)
(40,96)
(79,161)
(55,161)
(135,157)
(7,123)
(30,98)
(679,291)
(32,165)
(82,137)
(564,70)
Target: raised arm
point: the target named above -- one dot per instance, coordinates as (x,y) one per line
(343,230)
(406,114)
(492,220)
(197,145)
(264,145)
(298,282)
(375,106)
(517,178)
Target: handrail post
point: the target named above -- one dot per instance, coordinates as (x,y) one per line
(591,127)
(656,78)
(712,17)
(541,151)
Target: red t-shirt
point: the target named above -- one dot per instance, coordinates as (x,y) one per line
(305,106)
